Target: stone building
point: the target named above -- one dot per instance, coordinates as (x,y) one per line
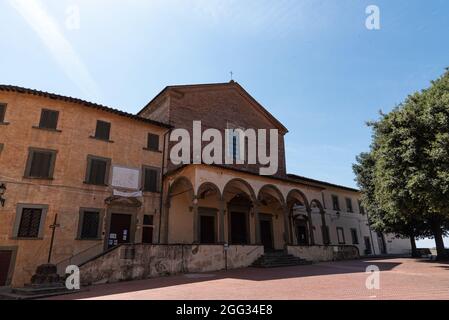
(82,179)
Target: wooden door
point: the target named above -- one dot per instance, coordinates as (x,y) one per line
(266,234)
(5,262)
(120,229)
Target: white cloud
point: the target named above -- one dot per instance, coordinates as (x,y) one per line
(60,48)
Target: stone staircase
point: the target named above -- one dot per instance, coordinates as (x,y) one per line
(278,258)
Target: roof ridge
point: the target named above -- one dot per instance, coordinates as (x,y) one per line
(13,88)
(295,176)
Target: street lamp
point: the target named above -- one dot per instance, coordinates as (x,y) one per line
(2,192)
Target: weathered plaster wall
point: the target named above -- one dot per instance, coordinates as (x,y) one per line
(130,262)
(324,253)
(66,192)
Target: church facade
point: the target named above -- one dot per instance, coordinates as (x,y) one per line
(80,179)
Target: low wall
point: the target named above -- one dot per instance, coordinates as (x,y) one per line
(324,253)
(139,261)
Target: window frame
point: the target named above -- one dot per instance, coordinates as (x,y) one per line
(361,208)
(82,211)
(341,241)
(89,167)
(3,114)
(349,206)
(354,233)
(18,219)
(51,170)
(94,136)
(41,119)
(326,235)
(336,205)
(148,146)
(158,178)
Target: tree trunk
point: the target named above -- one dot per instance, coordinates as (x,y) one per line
(439,242)
(413,245)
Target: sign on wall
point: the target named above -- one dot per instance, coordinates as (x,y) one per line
(127,178)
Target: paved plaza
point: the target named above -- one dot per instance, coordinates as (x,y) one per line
(400,278)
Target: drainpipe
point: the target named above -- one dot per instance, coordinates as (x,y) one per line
(161,202)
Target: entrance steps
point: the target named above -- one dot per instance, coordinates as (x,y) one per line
(274,259)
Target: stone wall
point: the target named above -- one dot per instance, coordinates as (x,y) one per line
(139,261)
(324,253)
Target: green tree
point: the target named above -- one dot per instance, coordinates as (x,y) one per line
(408,165)
(404,224)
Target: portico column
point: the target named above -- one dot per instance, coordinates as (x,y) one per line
(195,220)
(221,229)
(312,238)
(286,213)
(256,211)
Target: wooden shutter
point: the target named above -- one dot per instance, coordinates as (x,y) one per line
(2,112)
(97,173)
(30,223)
(40,164)
(103,130)
(49,119)
(153,142)
(150,180)
(91,220)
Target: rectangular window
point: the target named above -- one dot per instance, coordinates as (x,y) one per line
(153,142)
(147,229)
(341,235)
(40,164)
(354,236)
(103,130)
(29,223)
(2,112)
(97,170)
(90,224)
(361,209)
(49,119)
(349,205)
(335,203)
(326,237)
(150,180)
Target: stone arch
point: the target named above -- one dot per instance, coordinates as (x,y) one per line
(181,181)
(324,229)
(317,204)
(242,185)
(208,186)
(179,207)
(296,196)
(240,199)
(273,191)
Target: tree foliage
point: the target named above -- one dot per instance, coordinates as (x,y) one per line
(404,178)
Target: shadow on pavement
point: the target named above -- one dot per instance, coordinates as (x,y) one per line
(250,274)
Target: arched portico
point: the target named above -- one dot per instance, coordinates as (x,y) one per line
(317,207)
(271,218)
(210,216)
(240,200)
(300,221)
(180,211)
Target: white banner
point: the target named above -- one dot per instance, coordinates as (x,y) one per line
(127,178)
(135,194)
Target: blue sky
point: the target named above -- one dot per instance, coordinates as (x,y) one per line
(313,64)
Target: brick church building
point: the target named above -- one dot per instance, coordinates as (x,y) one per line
(78,181)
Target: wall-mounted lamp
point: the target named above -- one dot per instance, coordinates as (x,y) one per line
(2,193)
